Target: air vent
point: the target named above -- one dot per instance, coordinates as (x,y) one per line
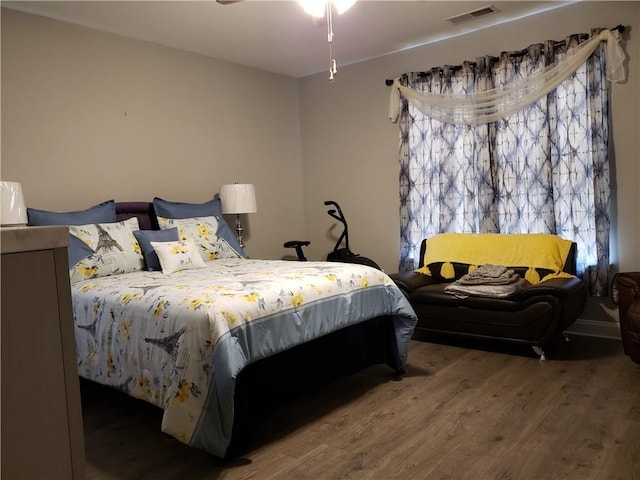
(468,16)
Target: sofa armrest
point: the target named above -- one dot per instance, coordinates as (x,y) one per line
(568,294)
(625,286)
(559,287)
(410,281)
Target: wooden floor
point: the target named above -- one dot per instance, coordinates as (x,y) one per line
(460,413)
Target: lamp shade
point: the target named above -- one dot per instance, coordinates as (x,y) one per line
(238,198)
(13,210)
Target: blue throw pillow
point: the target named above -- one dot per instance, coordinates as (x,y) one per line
(104,212)
(212,208)
(145,237)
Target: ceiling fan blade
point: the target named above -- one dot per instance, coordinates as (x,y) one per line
(228,2)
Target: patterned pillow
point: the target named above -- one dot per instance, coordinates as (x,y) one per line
(213,208)
(116,249)
(176,256)
(203,231)
(77,250)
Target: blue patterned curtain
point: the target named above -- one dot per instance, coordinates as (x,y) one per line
(543,169)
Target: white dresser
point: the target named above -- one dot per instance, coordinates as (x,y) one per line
(41,418)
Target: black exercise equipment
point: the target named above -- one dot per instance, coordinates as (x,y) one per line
(344,254)
(339,254)
(298,244)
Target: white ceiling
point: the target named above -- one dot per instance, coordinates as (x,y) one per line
(278,36)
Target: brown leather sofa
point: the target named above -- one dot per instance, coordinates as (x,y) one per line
(625,291)
(534,316)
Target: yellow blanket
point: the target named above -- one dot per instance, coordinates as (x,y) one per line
(533,250)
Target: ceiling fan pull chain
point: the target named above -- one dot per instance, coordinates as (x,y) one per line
(332,58)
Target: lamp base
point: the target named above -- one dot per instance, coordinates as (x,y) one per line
(239,230)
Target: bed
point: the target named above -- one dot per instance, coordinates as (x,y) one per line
(184,339)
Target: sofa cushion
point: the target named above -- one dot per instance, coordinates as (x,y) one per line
(436,295)
(530,323)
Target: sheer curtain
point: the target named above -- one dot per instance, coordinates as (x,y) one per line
(543,168)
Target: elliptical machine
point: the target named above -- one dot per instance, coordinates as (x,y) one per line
(339,254)
(344,254)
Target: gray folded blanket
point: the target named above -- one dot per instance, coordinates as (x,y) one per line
(484,290)
(488,271)
(489,275)
(488,281)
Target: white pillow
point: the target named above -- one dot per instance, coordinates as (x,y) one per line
(116,249)
(202,230)
(180,255)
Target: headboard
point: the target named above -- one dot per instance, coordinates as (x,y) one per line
(143,211)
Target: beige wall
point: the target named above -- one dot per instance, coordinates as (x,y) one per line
(88,116)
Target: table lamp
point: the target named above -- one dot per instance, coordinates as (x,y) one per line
(238,198)
(13,211)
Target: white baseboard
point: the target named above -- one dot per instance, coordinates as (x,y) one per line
(594,328)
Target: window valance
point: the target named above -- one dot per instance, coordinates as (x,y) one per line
(491,105)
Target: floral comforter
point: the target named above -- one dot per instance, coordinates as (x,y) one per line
(179,341)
